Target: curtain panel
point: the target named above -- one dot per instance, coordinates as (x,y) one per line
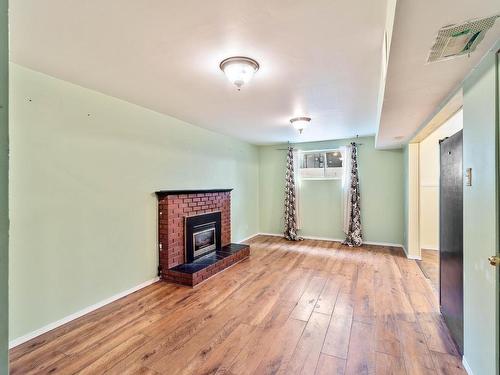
(291,206)
(352,200)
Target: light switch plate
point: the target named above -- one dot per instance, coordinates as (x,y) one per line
(468,177)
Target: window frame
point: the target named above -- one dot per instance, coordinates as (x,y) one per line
(301,153)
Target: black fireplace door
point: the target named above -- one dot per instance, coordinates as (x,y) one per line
(202,235)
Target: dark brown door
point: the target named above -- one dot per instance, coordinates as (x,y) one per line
(451,236)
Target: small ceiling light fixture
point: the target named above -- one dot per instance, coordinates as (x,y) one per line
(300,123)
(239,69)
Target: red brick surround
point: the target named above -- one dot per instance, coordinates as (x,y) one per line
(202,275)
(173,208)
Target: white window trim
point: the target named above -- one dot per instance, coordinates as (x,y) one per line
(302,152)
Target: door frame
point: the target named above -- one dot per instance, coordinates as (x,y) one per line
(451,106)
(498,207)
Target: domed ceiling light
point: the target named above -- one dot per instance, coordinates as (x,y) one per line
(300,123)
(239,69)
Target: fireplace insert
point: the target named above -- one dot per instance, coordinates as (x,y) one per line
(202,235)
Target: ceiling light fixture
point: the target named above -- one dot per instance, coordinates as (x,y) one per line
(300,123)
(239,69)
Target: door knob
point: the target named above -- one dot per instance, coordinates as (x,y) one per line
(494,260)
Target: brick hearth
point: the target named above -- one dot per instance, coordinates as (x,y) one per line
(200,270)
(173,208)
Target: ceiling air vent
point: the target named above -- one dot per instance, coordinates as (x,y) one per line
(458,40)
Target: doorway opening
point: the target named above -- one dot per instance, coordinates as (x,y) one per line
(429,197)
(435,211)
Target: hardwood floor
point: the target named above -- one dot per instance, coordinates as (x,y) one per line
(311,307)
(430,267)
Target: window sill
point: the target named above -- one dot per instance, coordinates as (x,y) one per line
(320,178)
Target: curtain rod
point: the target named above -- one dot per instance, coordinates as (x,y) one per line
(293,148)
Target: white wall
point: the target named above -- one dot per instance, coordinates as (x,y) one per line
(429,181)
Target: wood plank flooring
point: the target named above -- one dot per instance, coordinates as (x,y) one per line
(309,307)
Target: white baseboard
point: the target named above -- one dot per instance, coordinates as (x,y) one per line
(413,257)
(404,250)
(335,239)
(270,234)
(410,257)
(429,247)
(466,366)
(69,318)
(249,237)
(383,244)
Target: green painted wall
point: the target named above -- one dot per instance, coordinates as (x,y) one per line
(381,184)
(480,152)
(405,196)
(83,171)
(4,218)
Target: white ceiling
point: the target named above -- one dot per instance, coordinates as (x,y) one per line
(318,58)
(414,90)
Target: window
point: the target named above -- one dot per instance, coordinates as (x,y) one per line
(321,165)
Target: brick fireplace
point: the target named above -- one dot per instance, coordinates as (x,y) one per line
(175,209)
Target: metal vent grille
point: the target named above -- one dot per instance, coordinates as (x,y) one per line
(459,40)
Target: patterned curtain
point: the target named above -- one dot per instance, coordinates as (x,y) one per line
(290,200)
(346,187)
(354,236)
